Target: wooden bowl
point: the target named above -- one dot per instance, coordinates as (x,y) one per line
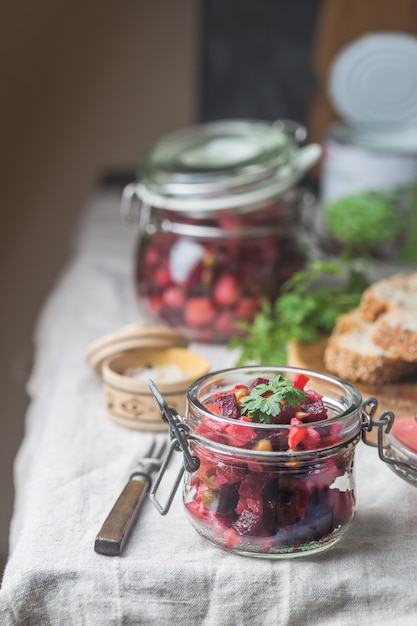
(127,394)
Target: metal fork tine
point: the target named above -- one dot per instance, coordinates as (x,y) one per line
(151,451)
(160,448)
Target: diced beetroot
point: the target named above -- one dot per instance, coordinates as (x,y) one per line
(252,485)
(216,477)
(258,381)
(291,505)
(155,303)
(312,440)
(196,508)
(241,505)
(240,435)
(247,308)
(313,395)
(211,429)
(199,312)
(301,501)
(323,476)
(151,256)
(278,441)
(332,438)
(316,411)
(227,500)
(173,297)
(316,523)
(225,323)
(270,500)
(220,480)
(251,504)
(226,290)
(255,505)
(231,539)
(228,405)
(162,277)
(194,278)
(248,523)
(219,524)
(285,416)
(256,467)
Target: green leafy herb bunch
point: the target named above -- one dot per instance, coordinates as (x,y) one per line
(308,306)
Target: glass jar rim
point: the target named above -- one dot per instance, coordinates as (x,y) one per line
(224,164)
(214,232)
(350,411)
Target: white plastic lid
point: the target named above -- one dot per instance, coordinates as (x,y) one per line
(373,81)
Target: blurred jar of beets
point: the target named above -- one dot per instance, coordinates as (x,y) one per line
(216,210)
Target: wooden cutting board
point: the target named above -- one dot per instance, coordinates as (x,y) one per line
(401,398)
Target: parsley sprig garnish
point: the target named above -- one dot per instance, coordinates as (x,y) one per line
(266,401)
(307,307)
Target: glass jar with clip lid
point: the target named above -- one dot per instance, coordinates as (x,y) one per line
(216,210)
(279,487)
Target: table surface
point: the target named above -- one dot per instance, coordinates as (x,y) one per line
(74,461)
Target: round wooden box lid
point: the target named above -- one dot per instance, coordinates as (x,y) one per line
(132,337)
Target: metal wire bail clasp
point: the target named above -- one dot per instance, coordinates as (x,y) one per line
(384,424)
(134,210)
(179,442)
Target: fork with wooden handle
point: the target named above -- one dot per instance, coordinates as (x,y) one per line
(116,528)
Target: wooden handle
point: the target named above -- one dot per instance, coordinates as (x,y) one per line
(115,530)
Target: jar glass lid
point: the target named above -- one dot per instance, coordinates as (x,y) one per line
(217,151)
(221,164)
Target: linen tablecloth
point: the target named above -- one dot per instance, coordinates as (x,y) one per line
(74,461)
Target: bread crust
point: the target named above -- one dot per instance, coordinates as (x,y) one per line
(392,304)
(396,292)
(400,340)
(352,354)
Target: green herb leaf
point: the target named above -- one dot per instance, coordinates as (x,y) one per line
(308,305)
(266,401)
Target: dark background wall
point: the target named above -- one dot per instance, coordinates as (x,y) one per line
(256,58)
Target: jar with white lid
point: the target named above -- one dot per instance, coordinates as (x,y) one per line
(217,223)
(368,182)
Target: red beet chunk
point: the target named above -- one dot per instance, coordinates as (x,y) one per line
(228,405)
(270,501)
(316,411)
(258,381)
(291,506)
(285,416)
(313,395)
(248,523)
(252,485)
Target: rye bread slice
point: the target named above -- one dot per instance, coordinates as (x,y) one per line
(392,304)
(396,292)
(352,354)
(396,331)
